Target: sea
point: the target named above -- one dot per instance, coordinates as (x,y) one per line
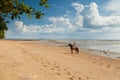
(107,48)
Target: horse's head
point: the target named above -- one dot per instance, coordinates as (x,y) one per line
(69,44)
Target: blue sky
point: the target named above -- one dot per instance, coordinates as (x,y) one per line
(70,19)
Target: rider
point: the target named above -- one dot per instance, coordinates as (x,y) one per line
(74,44)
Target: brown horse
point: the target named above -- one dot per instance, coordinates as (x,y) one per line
(73,48)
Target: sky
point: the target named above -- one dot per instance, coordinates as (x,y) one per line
(70,19)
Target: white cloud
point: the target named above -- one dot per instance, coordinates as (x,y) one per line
(79,22)
(87,18)
(79,7)
(94,20)
(62,22)
(58,24)
(113,6)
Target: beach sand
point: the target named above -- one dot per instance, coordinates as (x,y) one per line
(36,60)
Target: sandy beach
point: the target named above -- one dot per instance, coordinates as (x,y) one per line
(36,60)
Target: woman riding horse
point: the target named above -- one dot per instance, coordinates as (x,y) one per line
(73,47)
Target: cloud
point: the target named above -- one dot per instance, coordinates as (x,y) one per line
(79,7)
(62,22)
(95,22)
(58,24)
(113,6)
(87,19)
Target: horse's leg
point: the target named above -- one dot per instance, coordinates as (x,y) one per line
(71,51)
(77,50)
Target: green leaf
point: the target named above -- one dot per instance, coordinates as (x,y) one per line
(18,17)
(12,17)
(46,5)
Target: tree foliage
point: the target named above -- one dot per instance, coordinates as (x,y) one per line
(12,9)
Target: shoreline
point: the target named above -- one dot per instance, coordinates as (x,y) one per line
(105,53)
(59,43)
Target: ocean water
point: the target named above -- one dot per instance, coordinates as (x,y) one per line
(112,48)
(109,48)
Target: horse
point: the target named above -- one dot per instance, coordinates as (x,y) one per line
(73,48)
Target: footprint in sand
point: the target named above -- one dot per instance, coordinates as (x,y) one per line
(68,73)
(59,69)
(73,76)
(71,79)
(36,59)
(56,66)
(87,77)
(52,69)
(45,65)
(64,69)
(58,73)
(109,66)
(54,63)
(42,62)
(80,78)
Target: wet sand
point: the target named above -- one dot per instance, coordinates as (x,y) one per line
(37,60)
